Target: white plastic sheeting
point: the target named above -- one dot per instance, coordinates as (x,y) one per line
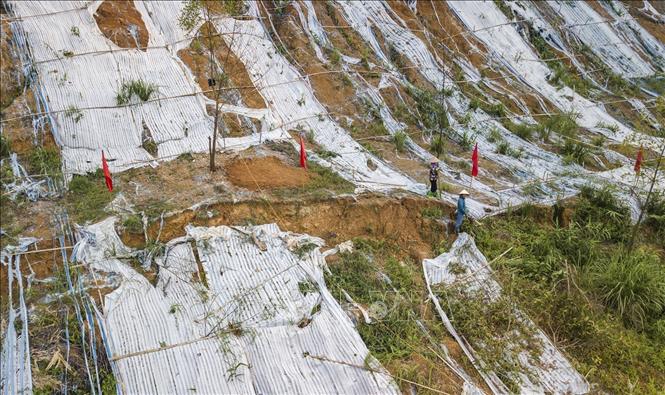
(552,373)
(294,106)
(85,71)
(22,183)
(592,29)
(258,318)
(15,365)
(491,27)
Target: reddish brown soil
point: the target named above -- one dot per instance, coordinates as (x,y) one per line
(9,84)
(113,19)
(336,220)
(265,173)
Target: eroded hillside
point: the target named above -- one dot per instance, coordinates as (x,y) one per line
(262,263)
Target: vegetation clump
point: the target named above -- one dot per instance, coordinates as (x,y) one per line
(74,113)
(135,89)
(432,113)
(88,196)
(45,161)
(399,139)
(377,276)
(572,274)
(495,329)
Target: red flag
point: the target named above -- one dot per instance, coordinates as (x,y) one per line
(638,161)
(474,161)
(107,173)
(303,154)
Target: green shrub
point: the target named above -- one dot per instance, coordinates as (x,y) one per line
(432,212)
(45,161)
(633,285)
(335,57)
(522,130)
(575,152)
(135,88)
(655,216)
(466,141)
(399,139)
(490,327)
(474,104)
(437,146)
(497,109)
(325,154)
(133,224)
(433,115)
(557,274)
(494,136)
(562,124)
(600,206)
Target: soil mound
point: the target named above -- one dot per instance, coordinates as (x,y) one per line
(267,172)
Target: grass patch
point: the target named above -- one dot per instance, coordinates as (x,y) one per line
(563,75)
(87,197)
(432,114)
(5,147)
(74,113)
(135,89)
(567,270)
(399,139)
(303,250)
(490,326)
(133,224)
(45,161)
(522,130)
(437,145)
(576,152)
(323,182)
(376,277)
(432,212)
(154,208)
(562,124)
(307,287)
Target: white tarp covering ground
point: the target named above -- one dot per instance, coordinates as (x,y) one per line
(84,71)
(491,26)
(257,319)
(294,106)
(584,22)
(15,365)
(552,373)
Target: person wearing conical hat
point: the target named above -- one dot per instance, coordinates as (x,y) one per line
(461,210)
(434,175)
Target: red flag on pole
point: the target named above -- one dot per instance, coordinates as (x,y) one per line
(303,154)
(107,173)
(474,161)
(638,161)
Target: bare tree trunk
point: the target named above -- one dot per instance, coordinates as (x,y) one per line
(211,53)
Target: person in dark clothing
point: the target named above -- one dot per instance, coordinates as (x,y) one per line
(434,176)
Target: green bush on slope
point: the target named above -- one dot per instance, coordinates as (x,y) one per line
(604,307)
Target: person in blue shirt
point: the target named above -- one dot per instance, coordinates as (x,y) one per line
(461,210)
